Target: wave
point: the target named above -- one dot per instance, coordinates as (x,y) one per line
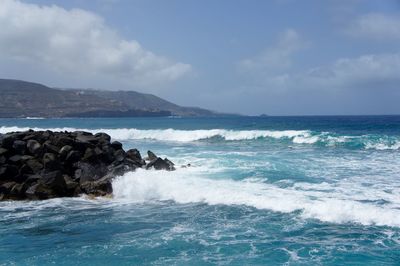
(295,136)
(190,186)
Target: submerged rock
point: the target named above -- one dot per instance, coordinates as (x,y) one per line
(45,164)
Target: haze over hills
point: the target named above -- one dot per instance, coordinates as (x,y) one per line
(28,99)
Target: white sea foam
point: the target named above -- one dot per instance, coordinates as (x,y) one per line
(193,185)
(176,135)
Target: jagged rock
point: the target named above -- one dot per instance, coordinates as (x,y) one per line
(151,156)
(160,164)
(134,155)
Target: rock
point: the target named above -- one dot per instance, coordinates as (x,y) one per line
(160,164)
(70,184)
(46,164)
(119,155)
(19,146)
(48,147)
(3,151)
(8,141)
(88,172)
(34,165)
(134,155)
(64,151)
(73,156)
(8,172)
(34,147)
(89,155)
(18,191)
(100,187)
(54,180)
(116,145)
(151,156)
(102,137)
(15,159)
(39,191)
(50,161)
(5,188)
(31,179)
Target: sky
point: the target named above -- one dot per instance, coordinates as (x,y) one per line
(276,57)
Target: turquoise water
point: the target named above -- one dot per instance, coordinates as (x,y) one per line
(261,191)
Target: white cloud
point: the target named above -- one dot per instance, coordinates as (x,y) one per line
(365,72)
(376,26)
(79,42)
(276,57)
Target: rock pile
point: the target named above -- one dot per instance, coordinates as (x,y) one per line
(46,164)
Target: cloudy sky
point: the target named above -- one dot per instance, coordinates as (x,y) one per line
(281,57)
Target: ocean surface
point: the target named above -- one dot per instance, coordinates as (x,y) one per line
(260,191)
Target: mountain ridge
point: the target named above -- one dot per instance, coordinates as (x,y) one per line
(29,99)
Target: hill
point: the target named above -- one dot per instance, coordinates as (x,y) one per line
(28,99)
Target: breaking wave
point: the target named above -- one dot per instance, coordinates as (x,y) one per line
(193,186)
(377,142)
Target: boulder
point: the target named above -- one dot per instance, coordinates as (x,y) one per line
(116,145)
(34,147)
(50,161)
(35,165)
(39,191)
(54,180)
(19,146)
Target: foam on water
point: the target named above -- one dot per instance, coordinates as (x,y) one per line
(192,185)
(176,135)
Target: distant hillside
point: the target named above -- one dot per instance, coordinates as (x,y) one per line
(26,99)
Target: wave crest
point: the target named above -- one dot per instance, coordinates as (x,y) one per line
(295,136)
(192,186)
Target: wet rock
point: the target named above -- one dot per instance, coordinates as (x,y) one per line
(151,156)
(160,164)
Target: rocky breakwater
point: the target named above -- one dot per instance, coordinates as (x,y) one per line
(46,164)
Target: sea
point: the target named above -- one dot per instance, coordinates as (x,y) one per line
(316,190)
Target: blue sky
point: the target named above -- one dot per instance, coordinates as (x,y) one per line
(280,57)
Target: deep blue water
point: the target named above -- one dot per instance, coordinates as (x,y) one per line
(261,191)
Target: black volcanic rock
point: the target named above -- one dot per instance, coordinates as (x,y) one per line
(45,164)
